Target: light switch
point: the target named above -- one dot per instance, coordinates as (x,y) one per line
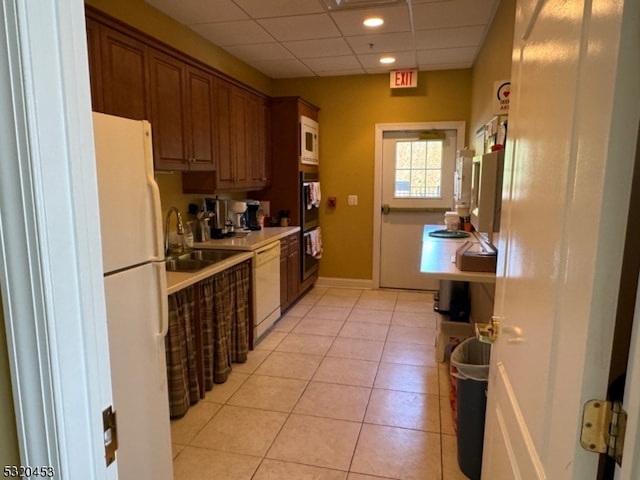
(352,200)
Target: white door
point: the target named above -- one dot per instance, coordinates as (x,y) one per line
(568,165)
(50,267)
(138,371)
(130,210)
(416,176)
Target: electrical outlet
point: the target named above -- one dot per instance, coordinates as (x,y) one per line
(331,202)
(352,200)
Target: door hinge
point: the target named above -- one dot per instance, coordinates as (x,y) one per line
(110,435)
(603,428)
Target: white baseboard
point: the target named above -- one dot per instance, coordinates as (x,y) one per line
(344,283)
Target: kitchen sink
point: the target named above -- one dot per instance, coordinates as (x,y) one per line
(213,256)
(196,260)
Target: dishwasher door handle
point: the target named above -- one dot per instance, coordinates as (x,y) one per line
(268,253)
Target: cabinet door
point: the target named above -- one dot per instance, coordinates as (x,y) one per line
(284,273)
(240,130)
(200,119)
(223,135)
(294,267)
(167,87)
(124,75)
(257,112)
(95,70)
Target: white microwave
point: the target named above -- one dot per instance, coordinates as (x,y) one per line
(308,141)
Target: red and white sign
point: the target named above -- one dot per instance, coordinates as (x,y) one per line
(403,78)
(501,92)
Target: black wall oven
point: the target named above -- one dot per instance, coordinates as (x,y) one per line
(309,221)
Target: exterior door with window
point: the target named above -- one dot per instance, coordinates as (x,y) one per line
(417,188)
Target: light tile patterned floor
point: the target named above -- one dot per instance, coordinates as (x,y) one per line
(345,387)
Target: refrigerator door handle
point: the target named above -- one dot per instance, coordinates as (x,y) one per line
(161,278)
(154,194)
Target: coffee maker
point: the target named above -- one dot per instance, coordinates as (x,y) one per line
(220,225)
(237,212)
(252,215)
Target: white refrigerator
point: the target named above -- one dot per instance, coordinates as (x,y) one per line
(135,292)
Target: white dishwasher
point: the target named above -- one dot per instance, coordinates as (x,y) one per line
(266,288)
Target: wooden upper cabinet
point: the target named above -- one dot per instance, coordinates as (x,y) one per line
(200,121)
(240,130)
(181,114)
(238,118)
(260,143)
(123,69)
(200,108)
(95,64)
(225,169)
(167,102)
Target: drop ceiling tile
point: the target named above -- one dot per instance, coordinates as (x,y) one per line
(341,73)
(260,51)
(279,8)
(446,66)
(449,37)
(383,43)
(243,32)
(396,19)
(273,35)
(189,12)
(403,60)
(283,68)
(326,47)
(347,62)
(447,55)
(302,27)
(340,4)
(454,13)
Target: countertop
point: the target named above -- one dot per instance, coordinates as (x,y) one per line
(178,280)
(244,245)
(439,258)
(252,241)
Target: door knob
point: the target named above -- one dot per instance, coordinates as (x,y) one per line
(490,332)
(386,208)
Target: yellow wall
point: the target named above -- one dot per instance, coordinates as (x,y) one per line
(493,64)
(9,454)
(349,109)
(151,21)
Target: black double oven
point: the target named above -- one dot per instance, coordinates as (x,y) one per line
(309,222)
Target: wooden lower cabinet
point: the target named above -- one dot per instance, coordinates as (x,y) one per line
(290,273)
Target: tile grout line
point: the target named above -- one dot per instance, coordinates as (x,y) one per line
(324,356)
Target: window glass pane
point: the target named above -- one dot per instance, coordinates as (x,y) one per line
(403,155)
(418,168)
(419,155)
(434,155)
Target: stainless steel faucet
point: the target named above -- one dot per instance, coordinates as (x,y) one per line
(180,227)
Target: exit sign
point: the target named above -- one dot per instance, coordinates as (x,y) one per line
(403,78)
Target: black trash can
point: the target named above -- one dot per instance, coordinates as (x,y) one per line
(470,367)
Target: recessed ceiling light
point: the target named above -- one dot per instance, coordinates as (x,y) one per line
(373,22)
(387,60)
